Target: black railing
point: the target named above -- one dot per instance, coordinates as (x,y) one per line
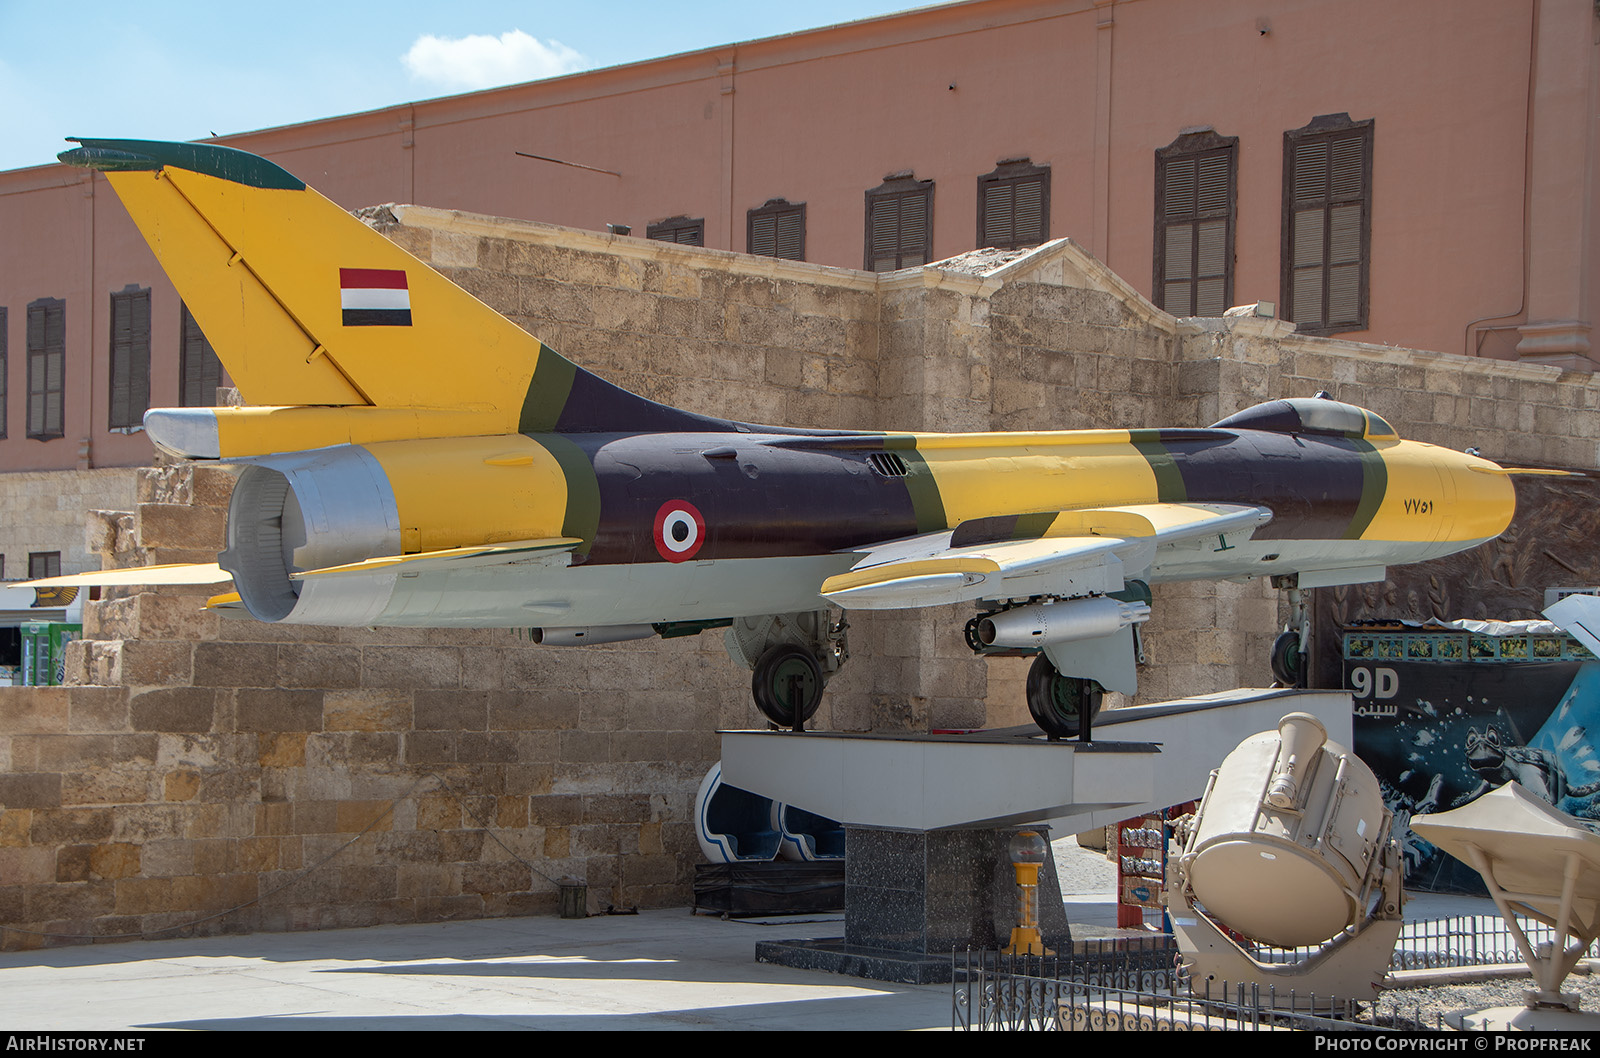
(1121,984)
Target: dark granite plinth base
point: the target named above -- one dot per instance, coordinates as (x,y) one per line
(779,887)
(913,897)
(836,955)
(854,960)
(931,892)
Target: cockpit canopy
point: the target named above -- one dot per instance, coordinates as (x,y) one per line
(1313,415)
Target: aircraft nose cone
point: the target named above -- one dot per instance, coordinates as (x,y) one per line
(1485,498)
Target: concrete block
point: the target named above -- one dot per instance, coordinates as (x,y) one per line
(282,749)
(173,709)
(212,486)
(410,667)
(318,665)
(452,710)
(143,823)
(533,709)
(367,710)
(278,710)
(15,826)
(182,527)
(174,616)
(29,790)
(228,664)
(114,860)
(155,663)
(28,710)
(97,709)
(68,826)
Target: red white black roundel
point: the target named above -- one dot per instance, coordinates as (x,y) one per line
(680,530)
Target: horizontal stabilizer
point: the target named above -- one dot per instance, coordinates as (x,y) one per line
(1580,616)
(451,558)
(139,576)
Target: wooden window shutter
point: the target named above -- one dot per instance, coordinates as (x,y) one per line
(899,223)
(47,344)
(199,370)
(1327,224)
(686,231)
(1014,205)
(1196,198)
(130,357)
(777,229)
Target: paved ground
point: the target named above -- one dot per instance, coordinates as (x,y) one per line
(656,970)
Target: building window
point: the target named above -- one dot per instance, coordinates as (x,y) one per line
(5,338)
(199,370)
(899,223)
(130,357)
(1197,180)
(685,230)
(43,564)
(777,229)
(1014,205)
(1327,224)
(47,345)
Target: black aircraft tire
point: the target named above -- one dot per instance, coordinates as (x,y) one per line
(1288,664)
(779,674)
(1058,702)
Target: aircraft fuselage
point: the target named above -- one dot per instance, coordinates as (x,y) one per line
(698,526)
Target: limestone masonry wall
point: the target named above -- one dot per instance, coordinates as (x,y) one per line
(239,776)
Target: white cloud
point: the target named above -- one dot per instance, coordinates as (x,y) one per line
(479,61)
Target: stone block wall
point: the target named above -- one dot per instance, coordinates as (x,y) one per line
(324,777)
(44,511)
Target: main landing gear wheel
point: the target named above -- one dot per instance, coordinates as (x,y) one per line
(787,682)
(1288,664)
(1060,703)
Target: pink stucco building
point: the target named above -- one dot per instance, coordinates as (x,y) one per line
(1420,174)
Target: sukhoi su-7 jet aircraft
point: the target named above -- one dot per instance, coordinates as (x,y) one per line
(411,457)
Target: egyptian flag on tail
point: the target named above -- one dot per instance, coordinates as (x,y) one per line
(374,297)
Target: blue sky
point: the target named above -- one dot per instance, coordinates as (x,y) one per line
(175,69)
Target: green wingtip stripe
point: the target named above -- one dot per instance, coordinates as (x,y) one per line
(209,159)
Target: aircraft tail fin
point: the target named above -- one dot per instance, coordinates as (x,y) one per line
(307,305)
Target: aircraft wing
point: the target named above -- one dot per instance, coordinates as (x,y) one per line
(1015,557)
(211,573)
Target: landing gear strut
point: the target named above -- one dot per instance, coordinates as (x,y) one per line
(1062,706)
(1288,659)
(791,657)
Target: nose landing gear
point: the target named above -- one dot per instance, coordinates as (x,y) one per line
(787,685)
(791,657)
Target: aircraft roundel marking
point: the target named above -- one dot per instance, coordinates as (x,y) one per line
(680,530)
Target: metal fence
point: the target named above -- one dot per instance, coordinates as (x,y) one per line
(1122,991)
(1440,943)
(1468,940)
(1110,985)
